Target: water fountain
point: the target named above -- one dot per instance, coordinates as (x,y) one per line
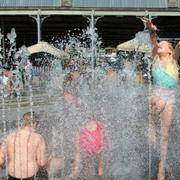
(122,105)
(109,101)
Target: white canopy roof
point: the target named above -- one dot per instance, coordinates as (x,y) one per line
(45,47)
(132,45)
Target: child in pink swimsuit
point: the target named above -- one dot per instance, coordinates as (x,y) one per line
(91,140)
(90,144)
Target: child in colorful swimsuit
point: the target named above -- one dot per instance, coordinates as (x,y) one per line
(165,81)
(90,144)
(164,78)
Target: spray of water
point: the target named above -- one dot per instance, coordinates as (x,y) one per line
(115,99)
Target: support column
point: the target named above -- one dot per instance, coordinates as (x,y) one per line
(39,20)
(92,40)
(93,20)
(3,43)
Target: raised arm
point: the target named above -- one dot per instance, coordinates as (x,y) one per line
(153,29)
(176,54)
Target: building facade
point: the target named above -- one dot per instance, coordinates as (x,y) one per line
(118,20)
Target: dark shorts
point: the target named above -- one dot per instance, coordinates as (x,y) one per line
(41,175)
(13,178)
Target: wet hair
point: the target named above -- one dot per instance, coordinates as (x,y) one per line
(169,45)
(29,118)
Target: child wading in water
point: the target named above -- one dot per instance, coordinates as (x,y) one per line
(89,147)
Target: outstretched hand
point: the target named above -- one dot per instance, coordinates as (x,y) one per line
(149,24)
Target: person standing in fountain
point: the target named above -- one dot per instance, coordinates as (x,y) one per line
(7,81)
(90,145)
(24,150)
(164,79)
(71,83)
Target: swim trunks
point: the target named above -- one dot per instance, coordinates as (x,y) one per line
(41,175)
(14,178)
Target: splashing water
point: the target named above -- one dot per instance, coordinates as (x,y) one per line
(120,104)
(118,101)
